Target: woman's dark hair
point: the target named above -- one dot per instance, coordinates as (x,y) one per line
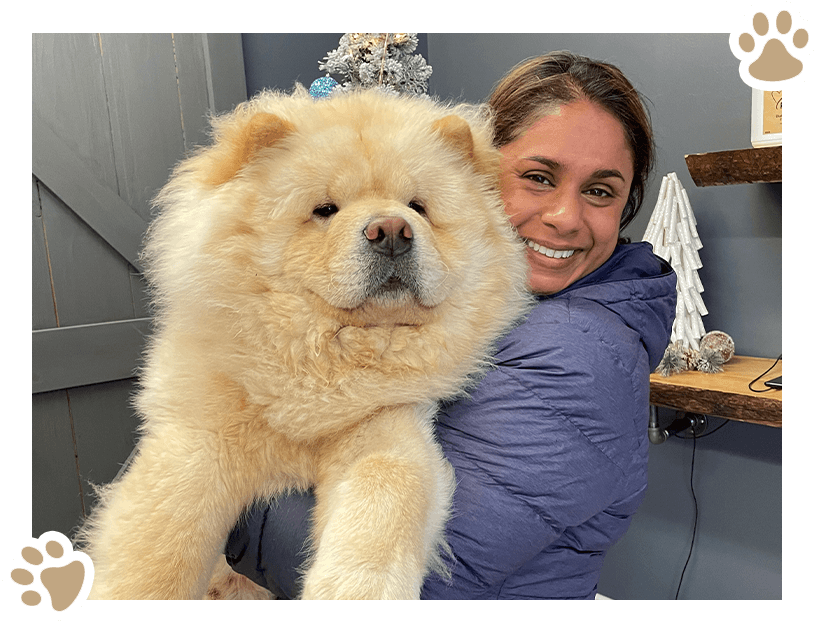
(536,85)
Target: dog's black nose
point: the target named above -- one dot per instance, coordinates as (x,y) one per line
(390,236)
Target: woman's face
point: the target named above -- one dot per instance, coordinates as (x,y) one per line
(565,183)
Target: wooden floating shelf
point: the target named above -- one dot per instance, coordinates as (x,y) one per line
(734,167)
(726,394)
(789,163)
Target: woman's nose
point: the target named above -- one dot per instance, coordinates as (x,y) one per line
(563,212)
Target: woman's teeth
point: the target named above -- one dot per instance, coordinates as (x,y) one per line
(557,254)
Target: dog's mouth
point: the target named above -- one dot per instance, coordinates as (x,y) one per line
(391,288)
(390,308)
(391,297)
(392,279)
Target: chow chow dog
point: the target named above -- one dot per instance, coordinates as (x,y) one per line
(324,274)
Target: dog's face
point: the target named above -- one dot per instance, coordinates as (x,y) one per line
(364,211)
(378,230)
(374,252)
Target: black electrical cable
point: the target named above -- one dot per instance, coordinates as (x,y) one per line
(759,377)
(691,483)
(696,518)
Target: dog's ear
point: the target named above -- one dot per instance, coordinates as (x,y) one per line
(238,143)
(456,132)
(476,148)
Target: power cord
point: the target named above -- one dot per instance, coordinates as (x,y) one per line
(759,377)
(694,496)
(696,515)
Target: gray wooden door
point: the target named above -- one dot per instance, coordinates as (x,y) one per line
(111,116)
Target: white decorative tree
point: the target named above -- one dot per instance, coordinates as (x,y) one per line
(672,233)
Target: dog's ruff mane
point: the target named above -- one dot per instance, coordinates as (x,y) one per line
(278,328)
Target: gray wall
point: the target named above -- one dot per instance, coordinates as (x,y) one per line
(111,115)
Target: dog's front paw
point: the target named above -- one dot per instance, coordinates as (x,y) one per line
(360,583)
(228,584)
(329,598)
(332,598)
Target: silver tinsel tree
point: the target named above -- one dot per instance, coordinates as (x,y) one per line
(370,59)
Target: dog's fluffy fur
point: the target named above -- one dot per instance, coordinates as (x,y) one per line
(293,349)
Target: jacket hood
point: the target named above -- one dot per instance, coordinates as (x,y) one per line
(638,286)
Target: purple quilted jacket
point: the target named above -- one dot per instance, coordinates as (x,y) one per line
(551,451)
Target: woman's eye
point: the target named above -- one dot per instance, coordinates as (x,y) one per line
(599,193)
(325,211)
(537,178)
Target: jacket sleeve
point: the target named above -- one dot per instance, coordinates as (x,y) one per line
(535,451)
(269,544)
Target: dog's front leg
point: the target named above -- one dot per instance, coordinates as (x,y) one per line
(380,524)
(160,529)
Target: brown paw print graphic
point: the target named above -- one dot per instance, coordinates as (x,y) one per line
(775,62)
(769,56)
(53,571)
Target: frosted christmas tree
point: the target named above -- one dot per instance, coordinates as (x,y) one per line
(672,232)
(370,59)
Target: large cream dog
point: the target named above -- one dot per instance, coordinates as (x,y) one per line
(323,274)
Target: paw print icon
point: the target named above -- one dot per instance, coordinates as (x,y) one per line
(769,53)
(49,573)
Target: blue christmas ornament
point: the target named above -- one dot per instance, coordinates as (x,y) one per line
(322,87)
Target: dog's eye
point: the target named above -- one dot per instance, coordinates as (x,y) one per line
(325,211)
(417,207)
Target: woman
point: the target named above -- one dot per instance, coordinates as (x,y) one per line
(550,452)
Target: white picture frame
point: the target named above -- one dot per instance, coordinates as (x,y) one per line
(766,118)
